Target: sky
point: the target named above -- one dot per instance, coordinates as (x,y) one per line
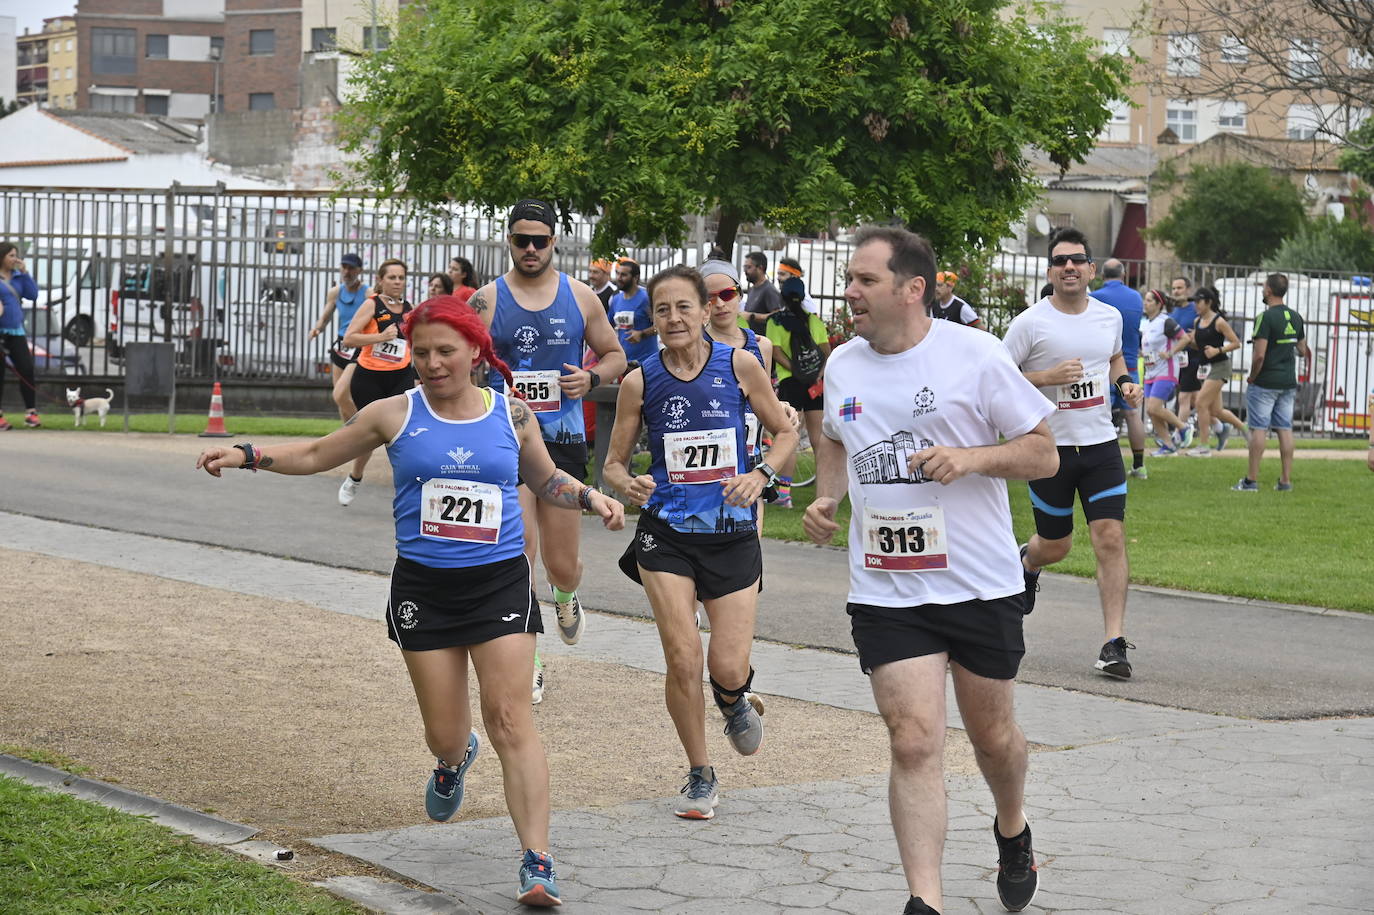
(31,13)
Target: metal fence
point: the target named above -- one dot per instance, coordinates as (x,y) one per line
(237,279)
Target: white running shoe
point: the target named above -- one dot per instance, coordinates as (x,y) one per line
(348,489)
(537,690)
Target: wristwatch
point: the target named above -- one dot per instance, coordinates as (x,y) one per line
(596,379)
(770,475)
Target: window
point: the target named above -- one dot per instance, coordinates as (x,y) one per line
(71,101)
(155,47)
(1360,60)
(1303,59)
(1116,41)
(1181,117)
(119,103)
(216,47)
(216,103)
(322,39)
(262,42)
(1233,50)
(1185,56)
(1303,121)
(261,101)
(1118,129)
(1232,116)
(383,37)
(69,45)
(69,73)
(112,52)
(155,104)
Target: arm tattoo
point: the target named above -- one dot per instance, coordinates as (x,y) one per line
(519,415)
(264,462)
(563,490)
(478,302)
(351,420)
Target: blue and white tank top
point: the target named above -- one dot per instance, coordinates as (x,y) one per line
(455,503)
(536,344)
(346,304)
(696,440)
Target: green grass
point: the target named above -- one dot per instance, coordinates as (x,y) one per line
(59,854)
(46,758)
(1186,529)
(54,419)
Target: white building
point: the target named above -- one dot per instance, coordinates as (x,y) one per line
(9,59)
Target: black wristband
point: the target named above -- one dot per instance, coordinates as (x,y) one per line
(584,498)
(250,461)
(596,379)
(1124,379)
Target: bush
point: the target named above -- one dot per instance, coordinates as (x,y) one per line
(1231,214)
(1325,243)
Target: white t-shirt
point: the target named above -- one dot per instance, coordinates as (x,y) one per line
(956,387)
(1155,341)
(1042,336)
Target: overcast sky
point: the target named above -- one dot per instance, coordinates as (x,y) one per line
(29,14)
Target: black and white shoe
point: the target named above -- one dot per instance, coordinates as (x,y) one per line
(1112,661)
(1017,876)
(1032,580)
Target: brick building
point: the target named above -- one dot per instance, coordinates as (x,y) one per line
(262,55)
(149,56)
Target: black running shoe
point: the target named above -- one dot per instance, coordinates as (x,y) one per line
(1112,661)
(917,906)
(1017,876)
(1032,580)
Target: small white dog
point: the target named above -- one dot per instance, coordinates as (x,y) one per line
(81,406)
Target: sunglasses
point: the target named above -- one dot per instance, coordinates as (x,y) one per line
(725,295)
(1060,260)
(540,242)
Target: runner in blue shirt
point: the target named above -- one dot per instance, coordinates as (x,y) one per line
(1127,301)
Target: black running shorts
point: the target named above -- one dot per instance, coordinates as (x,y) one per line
(792,391)
(720,564)
(341,355)
(1187,379)
(1095,473)
(569,457)
(983,636)
(434,608)
(369,385)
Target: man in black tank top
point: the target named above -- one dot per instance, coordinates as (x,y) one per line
(948,306)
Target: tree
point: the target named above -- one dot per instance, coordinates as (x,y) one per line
(1235,213)
(787,112)
(1317,53)
(1325,243)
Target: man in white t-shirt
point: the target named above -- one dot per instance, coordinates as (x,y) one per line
(924,421)
(1069,346)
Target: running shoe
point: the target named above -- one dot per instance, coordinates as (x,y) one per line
(1032,580)
(1246,485)
(699,795)
(917,906)
(4,424)
(348,489)
(537,688)
(31,419)
(1112,661)
(1199,451)
(1140,473)
(1223,436)
(444,793)
(1163,451)
(571,620)
(538,882)
(744,725)
(1185,438)
(1017,875)
(1281,486)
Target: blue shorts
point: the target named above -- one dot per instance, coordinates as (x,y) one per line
(1269,408)
(1119,402)
(1162,389)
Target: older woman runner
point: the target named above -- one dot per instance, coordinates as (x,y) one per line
(462,588)
(696,537)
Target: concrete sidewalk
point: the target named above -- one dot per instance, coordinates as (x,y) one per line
(1138,808)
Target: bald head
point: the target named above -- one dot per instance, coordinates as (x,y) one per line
(1113,269)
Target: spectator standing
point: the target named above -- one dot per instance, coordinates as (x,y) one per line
(1127,301)
(629,308)
(948,306)
(1273,383)
(15,286)
(1215,341)
(763,298)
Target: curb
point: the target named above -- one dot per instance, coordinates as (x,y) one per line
(375,895)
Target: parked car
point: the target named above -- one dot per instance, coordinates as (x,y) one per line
(52,353)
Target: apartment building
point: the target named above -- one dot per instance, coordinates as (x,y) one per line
(46,70)
(149,56)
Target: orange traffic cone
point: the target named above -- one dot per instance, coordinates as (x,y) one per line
(215,428)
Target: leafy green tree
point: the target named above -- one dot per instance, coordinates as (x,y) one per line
(786,112)
(1344,246)
(1358,157)
(1235,213)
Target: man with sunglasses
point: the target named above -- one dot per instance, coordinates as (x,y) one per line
(541,319)
(1069,346)
(630,314)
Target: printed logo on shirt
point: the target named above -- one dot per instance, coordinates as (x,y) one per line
(415,432)
(717,382)
(676,408)
(526,339)
(407,615)
(560,337)
(558,320)
(461,456)
(925,402)
(850,410)
(715,412)
(647,542)
(888,461)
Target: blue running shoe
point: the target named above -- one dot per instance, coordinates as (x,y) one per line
(538,882)
(444,793)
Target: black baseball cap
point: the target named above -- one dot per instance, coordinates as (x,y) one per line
(537,210)
(351,260)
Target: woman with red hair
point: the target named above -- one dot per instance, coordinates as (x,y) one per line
(462,588)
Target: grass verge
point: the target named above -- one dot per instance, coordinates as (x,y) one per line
(298,426)
(59,854)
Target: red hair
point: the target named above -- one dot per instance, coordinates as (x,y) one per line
(449,310)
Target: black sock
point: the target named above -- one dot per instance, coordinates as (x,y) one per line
(1137,459)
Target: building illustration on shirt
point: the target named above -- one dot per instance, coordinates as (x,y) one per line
(886,461)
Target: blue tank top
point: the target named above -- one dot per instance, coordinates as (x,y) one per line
(753,435)
(696,439)
(536,344)
(346,304)
(456,504)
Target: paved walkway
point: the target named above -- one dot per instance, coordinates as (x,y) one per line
(1137,809)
